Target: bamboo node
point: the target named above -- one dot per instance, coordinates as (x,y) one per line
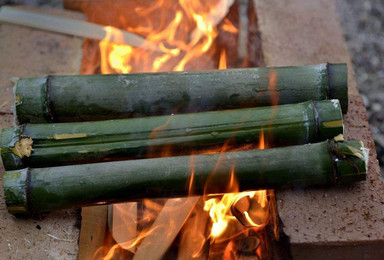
(23,147)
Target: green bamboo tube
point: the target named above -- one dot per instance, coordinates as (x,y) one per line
(42,145)
(34,190)
(101,97)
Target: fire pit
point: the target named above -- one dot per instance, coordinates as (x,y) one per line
(229,237)
(216,42)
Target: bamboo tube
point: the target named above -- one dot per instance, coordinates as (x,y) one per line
(34,190)
(101,97)
(42,145)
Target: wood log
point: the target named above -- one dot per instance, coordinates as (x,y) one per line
(122,223)
(193,242)
(34,190)
(42,145)
(167,225)
(100,97)
(92,234)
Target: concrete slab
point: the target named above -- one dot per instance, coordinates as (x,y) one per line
(331,223)
(27,52)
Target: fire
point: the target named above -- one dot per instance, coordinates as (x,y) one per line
(181,43)
(223,60)
(188,36)
(229,207)
(229,27)
(262,141)
(127,244)
(218,209)
(192,176)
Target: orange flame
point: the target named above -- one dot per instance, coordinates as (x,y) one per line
(192,176)
(272,86)
(128,244)
(262,141)
(223,60)
(229,27)
(188,36)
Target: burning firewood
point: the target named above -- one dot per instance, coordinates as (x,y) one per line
(42,145)
(100,97)
(122,223)
(34,190)
(176,209)
(193,242)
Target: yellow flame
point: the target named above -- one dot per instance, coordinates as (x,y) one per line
(219,209)
(218,212)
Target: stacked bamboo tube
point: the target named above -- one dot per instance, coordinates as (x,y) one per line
(53,161)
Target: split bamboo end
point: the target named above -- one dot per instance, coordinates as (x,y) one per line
(13,148)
